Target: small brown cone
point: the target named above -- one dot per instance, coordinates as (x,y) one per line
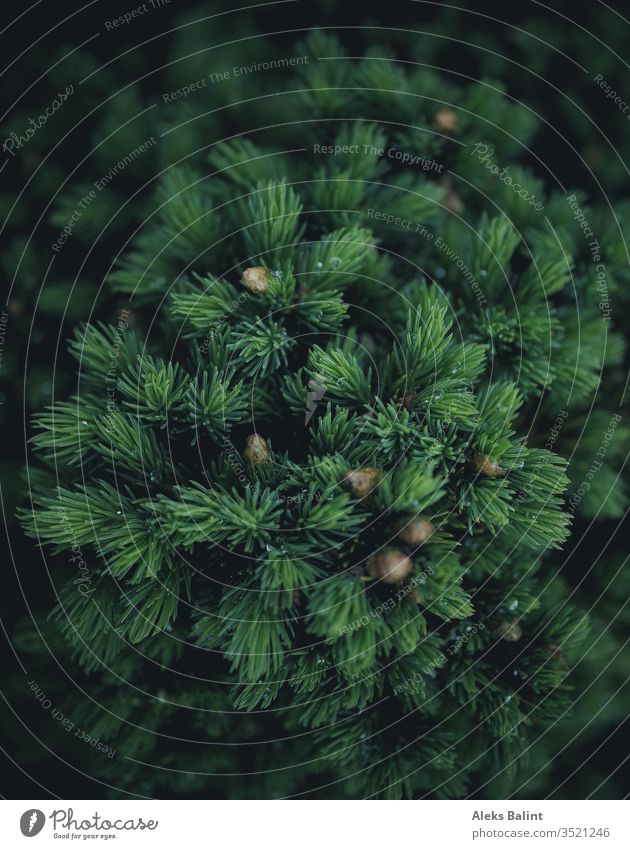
(15,307)
(485,465)
(445,121)
(390,566)
(256,279)
(361,482)
(256,450)
(454,203)
(415,531)
(511,632)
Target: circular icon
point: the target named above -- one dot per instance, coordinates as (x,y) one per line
(32,822)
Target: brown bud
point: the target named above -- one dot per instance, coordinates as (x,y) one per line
(15,307)
(407,401)
(511,632)
(415,594)
(487,466)
(256,279)
(256,450)
(454,203)
(361,482)
(445,121)
(390,566)
(415,531)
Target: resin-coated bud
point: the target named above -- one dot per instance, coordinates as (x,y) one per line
(256,450)
(390,566)
(361,482)
(256,279)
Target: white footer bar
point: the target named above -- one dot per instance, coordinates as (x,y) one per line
(315,824)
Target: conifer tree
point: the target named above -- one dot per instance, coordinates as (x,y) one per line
(309,461)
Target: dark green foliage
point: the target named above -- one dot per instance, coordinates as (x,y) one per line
(237,594)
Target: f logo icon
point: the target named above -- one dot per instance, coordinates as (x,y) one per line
(32,822)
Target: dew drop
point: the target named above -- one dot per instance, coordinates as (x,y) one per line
(440,272)
(335,262)
(319,265)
